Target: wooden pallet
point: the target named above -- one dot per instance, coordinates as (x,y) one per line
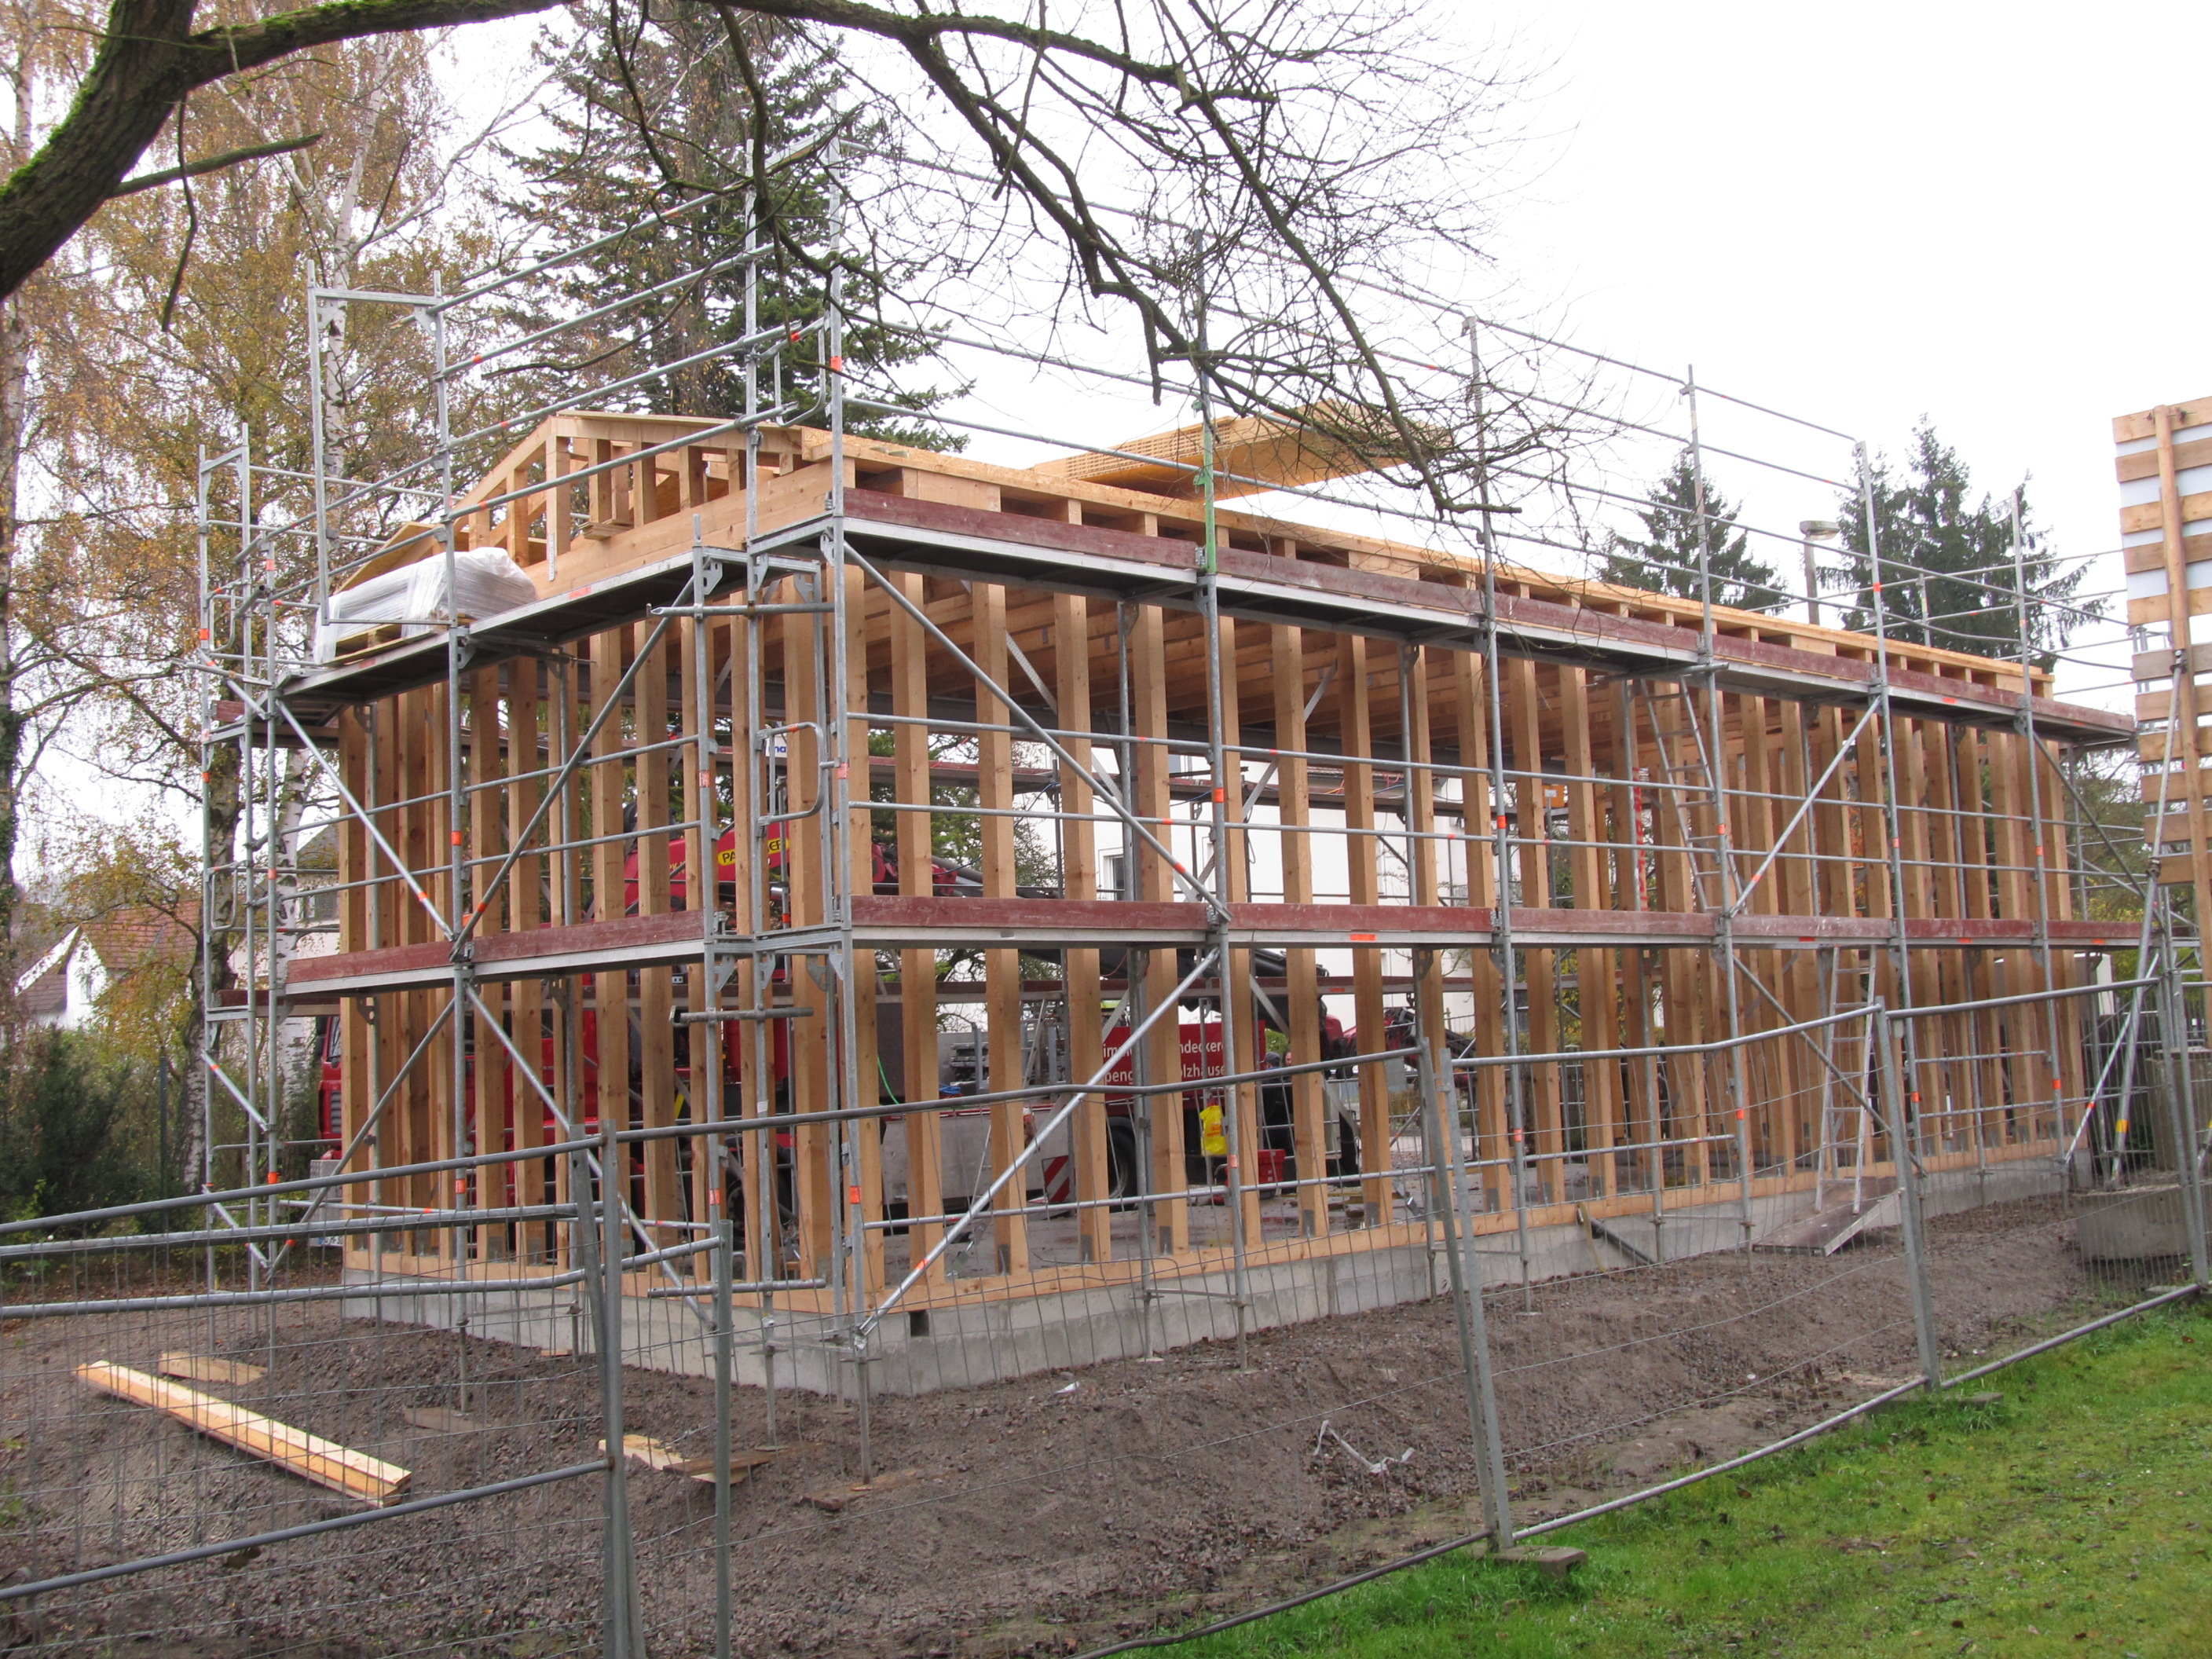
(1825,1231)
(655,1455)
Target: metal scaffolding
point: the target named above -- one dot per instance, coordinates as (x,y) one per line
(767,646)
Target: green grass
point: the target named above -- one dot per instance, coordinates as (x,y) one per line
(2070,1518)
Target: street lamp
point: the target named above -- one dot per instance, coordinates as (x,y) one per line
(1815,530)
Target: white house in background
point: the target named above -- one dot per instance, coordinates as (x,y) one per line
(62,990)
(61,987)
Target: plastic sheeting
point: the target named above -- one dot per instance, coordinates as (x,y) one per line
(485,583)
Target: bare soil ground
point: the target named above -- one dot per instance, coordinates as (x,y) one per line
(1039,1514)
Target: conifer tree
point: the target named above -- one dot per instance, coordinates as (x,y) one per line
(646,115)
(1947,562)
(1666,560)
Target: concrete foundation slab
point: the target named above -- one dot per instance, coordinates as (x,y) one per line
(990,1338)
(2144,1225)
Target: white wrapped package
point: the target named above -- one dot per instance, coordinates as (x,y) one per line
(485,583)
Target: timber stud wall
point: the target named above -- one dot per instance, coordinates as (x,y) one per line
(2164,469)
(1354,699)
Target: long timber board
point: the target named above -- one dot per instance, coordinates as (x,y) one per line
(968,543)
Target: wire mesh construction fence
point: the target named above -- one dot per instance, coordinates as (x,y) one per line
(219,1439)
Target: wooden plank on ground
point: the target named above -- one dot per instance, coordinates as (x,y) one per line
(655,1454)
(200,1368)
(309,1457)
(440,1420)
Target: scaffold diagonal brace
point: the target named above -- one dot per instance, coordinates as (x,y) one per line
(1021,1159)
(368,823)
(1134,824)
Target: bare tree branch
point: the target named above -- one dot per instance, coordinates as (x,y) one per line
(230,158)
(147,59)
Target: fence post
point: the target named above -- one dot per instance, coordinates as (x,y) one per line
(599,1255)
(2181,1111)
(1448,1183)
(715,1150)
(1908,1199)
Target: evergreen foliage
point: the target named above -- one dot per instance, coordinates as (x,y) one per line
(64,1130)
(1946,576)
(1666,560)
(646,115)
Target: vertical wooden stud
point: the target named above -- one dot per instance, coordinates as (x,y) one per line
(917,968)
(1079,876)
(1310,1126)
(1002,970)
(1156,883)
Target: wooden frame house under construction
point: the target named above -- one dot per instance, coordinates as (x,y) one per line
(1130,912)
(1659,833)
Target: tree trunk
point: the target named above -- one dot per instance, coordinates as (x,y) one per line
(15,378)
(14,388)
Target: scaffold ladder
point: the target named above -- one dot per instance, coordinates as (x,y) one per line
(1678,735)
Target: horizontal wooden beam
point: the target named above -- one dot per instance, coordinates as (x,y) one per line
(2143,423)
(309,1457)
(881,921)
(965,544)
(533,953)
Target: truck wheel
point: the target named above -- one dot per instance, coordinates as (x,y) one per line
(1121,1180)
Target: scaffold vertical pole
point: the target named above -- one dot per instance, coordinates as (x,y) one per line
(842,963)
(1892,826)
(623,1637)
(1717,782)
(1908,1195)
(2181,1110)
(1501,840)
(2041,870)
(1463,1262)
(704,884)
(1209,607)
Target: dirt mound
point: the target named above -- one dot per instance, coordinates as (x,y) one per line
(1019,1514)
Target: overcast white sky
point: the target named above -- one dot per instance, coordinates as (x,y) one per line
(1861,215)
(1981,213)
(1990,214)
(1976,212)
(1869,214)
